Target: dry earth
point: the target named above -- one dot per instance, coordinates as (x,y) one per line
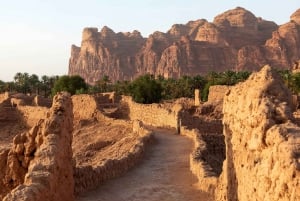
(101,141)
(8,132)
(163,175)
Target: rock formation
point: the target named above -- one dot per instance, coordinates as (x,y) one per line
(262,142)
(235,40)
(39,164)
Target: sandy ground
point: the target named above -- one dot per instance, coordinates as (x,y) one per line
(8,131)
(163,175)
(96,142)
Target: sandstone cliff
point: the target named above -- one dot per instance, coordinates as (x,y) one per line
(39,164)
(235,40)
(262,142)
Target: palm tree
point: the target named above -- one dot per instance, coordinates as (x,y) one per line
(22,82)
(45,85)
(34,84)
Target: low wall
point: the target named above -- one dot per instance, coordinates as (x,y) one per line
(107,98)
(32,114)
(206,125)
(84,107)
(41,101)
(150,114)
(4,96)
(207,178)
(8,113)
(209,152)
(217,92)
(87,177)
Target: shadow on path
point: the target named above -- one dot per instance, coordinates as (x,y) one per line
(163,175)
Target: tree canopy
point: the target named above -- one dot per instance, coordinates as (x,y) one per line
(72,84)
(145,89)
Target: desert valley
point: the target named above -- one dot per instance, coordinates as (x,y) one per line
(240,143)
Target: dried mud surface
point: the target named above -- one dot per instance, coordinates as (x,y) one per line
(163,175)
(99,141)
(7,132)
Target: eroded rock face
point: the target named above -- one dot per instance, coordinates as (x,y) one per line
(262,144)
(235,40)
(296,16)
(39,165)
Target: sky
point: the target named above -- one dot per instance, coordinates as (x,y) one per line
(36,35)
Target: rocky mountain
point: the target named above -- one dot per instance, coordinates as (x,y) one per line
(235,40)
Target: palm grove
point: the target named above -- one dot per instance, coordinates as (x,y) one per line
(143,89)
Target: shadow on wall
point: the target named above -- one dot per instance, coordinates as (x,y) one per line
(122,112)
(231,172)
(211,131)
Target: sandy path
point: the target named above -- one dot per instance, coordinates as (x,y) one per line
(163,175)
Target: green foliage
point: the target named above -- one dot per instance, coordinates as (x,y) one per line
(103,85)
(2,86)
(223,78)
(291,80)
(46,84)
(205,91)
(30,84)
(22,82)
(145,89)
(121,87)
(295,85)
(72,84)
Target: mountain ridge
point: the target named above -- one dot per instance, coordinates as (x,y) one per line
(235,40)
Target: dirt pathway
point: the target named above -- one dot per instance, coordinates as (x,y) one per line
(163,175)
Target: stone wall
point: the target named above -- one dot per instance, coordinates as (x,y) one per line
(262,142)
(41,101)
(107,98)
(4,96)
(197,97)
(200,167)
(39,165)
(32,114)
(8,113)
(18,108)
(84,107)
(209,152)
(217,92)
(151,114)
(88,176)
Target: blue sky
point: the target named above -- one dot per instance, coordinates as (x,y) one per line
(36,35)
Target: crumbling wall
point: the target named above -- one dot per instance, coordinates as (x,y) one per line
(262,142)
(4,96)
(107,98)
(21,99)
(18,108)
(150,114)
(210,130)
(8,113)
(31,114)
(217,92)
(84,107)
(199,165)
(39,165)
(197,97)
(89,176)
(41,101)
